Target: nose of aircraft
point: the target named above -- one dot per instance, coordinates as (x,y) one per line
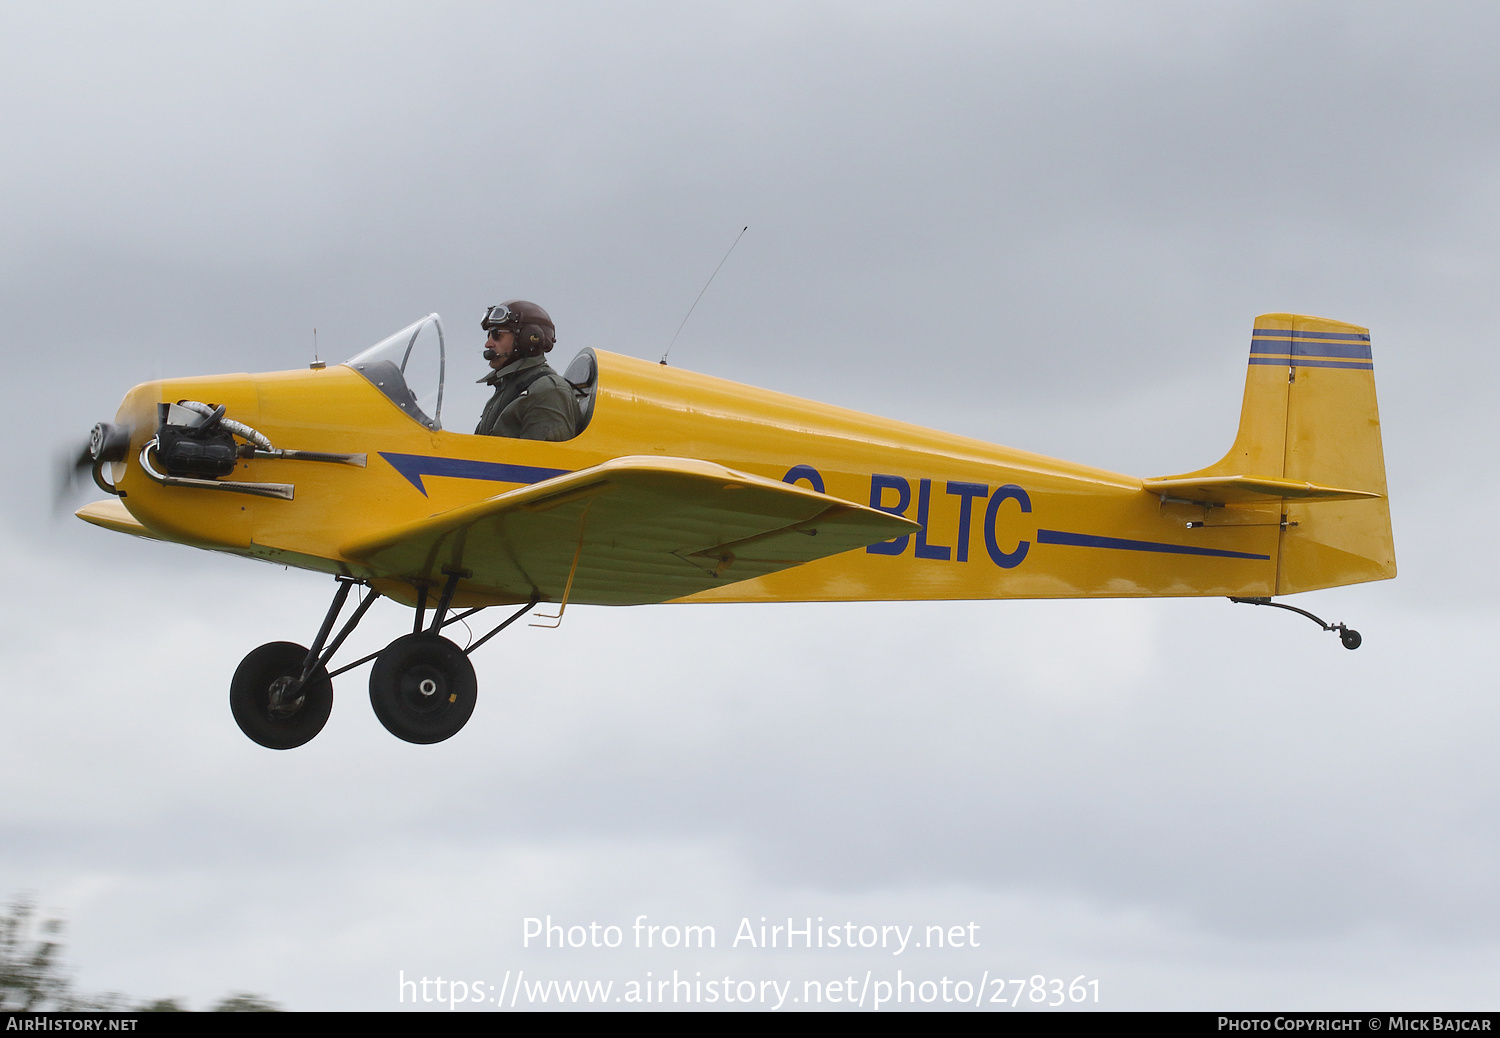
(107,442)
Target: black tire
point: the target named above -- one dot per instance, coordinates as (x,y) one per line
(1350,638)
(423,688)
(279,726)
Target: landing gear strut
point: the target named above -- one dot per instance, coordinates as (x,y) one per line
(282,694)
(1347,635)
(422,686)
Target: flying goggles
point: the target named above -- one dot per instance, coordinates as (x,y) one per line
(498,317)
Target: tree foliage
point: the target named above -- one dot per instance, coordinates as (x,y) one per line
(32,977)
(245,1002)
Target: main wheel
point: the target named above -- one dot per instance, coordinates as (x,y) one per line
(423,688)
(262,707)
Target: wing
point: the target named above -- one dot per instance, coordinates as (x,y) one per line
(629,531)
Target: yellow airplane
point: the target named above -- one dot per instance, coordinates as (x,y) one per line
(681,487)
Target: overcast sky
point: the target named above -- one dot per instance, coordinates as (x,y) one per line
(1049,225)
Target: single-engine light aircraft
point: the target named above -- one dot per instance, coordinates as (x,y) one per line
(680,487)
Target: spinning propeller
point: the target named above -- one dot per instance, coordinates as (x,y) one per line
(107,442)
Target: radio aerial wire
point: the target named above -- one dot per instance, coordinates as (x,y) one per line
(710,281)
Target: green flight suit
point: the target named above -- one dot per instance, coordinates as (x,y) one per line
(529,404)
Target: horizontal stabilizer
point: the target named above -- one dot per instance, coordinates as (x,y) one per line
(632,530)
(1228,490)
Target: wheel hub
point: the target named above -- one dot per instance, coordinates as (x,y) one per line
(425,687)
(422,688)
(286,697)
(273,703)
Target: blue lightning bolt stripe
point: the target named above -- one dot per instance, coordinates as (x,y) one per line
(1089,540)
(415,466)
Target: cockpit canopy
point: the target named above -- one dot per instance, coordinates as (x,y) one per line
(409,368)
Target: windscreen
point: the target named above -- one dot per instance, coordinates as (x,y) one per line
(408,367)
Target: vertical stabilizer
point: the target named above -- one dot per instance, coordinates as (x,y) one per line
(1310,416)
(1260,446)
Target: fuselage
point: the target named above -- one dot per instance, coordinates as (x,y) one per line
(998,523)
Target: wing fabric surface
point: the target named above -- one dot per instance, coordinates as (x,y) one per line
(642,529)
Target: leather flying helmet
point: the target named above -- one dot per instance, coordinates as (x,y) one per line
(535,332)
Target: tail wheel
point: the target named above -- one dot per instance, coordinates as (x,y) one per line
(268,706)
(423,688)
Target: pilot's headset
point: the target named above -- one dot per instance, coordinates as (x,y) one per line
(535,332)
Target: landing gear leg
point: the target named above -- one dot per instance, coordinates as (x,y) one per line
(272,701)
(1348,636)
(423,687)
(282,693)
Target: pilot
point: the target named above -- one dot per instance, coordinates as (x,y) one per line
(531,401)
